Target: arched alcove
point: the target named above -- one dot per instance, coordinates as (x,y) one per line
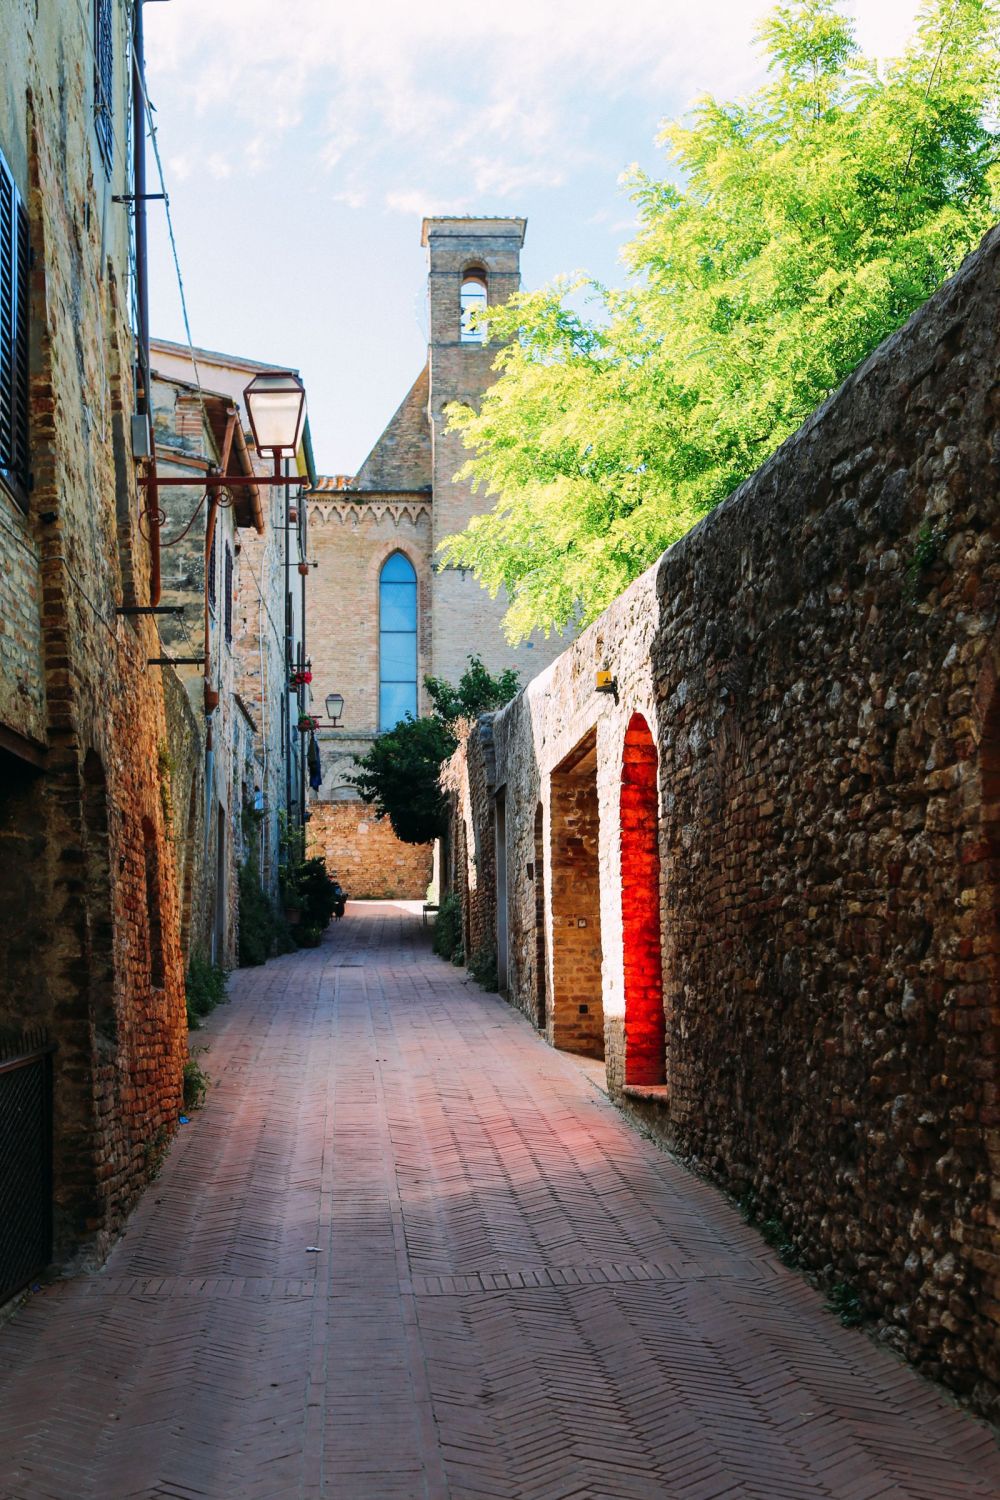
(640,883)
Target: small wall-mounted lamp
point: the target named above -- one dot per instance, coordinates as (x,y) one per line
(605,682)
(334,708)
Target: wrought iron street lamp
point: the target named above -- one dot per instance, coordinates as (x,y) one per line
(334,707)
(276,405)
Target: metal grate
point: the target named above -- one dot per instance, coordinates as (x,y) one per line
(104,80)
(25,1161)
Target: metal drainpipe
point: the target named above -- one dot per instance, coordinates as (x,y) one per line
(302,581)
(142,286)
(287,668)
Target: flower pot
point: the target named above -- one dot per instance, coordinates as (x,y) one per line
(293,916)
(304,569)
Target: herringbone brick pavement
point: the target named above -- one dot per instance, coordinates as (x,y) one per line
(407,1252)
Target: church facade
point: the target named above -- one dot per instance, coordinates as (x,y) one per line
(384,610)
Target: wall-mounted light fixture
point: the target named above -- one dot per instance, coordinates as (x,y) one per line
(334,708)
(605,682)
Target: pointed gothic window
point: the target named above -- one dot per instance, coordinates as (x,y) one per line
(473,301)
(397,641)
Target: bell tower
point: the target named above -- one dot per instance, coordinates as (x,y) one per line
(473,264)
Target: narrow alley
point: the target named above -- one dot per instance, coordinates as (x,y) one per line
(407,1250)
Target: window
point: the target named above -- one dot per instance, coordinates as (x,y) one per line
(228,601)
(473,301)
(104,81)
(397,641)
(211,573)
(14,265)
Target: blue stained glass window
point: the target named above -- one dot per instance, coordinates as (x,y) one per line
(397,609)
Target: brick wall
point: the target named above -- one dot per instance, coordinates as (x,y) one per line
(818,664)
(363,853)
(464,617)
(88,915)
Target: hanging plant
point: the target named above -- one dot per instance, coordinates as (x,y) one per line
(299,679)
(307,723)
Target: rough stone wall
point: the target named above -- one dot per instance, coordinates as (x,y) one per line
(401,459)
(95,958)
(186,741)
(469,780)
(818,663)
(22,694)
(364,854)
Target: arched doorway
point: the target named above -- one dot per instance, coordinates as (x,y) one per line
(576,1003)
(640,882)
(538,871)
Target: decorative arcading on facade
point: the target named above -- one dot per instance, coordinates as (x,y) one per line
(818,665)
(359,510)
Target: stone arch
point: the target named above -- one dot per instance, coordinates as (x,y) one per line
(576,1019)
(640,885)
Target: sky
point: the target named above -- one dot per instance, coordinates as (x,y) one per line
(303,143)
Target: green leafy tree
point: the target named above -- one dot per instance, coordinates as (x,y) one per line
(798,227)
(400,774)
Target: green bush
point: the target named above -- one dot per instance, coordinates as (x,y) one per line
(257,920)
(483,968)
(448,927)
(196,1083)
(204,989)
(306,887)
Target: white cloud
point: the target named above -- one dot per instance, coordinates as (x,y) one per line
(424,203)
(476,99)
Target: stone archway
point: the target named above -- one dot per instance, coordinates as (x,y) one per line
(640,883)
(576,1010)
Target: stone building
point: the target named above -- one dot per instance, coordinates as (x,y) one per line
(386,612)
(91,980)
(255,613)
(759,877)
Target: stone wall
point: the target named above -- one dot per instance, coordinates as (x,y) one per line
(470,863)
(817,666)
(363,853)
(88,916)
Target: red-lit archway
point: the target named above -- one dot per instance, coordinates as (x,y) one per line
(644,1029)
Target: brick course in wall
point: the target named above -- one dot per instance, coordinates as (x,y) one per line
(364,854)
(818,662)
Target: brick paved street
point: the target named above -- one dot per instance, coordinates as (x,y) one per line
(514,1294)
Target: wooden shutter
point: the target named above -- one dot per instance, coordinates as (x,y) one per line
(229,593)
(14,266)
